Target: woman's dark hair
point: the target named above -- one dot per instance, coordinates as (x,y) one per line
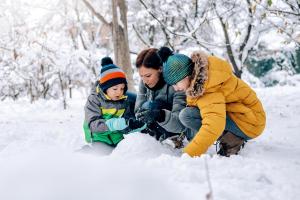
(152,57)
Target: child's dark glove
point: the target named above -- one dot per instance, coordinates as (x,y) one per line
(149,116)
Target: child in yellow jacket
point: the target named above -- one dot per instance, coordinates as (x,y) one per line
(220,106)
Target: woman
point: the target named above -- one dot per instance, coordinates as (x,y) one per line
(157,103)
(220,105)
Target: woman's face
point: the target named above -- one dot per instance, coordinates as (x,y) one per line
(182,85)
(150,76)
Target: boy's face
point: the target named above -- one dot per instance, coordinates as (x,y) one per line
(182,85)
(116,92)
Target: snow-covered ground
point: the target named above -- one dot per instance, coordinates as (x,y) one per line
(38,159)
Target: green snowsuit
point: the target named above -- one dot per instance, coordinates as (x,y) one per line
(99,108)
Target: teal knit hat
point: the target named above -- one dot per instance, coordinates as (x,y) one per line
(177,67)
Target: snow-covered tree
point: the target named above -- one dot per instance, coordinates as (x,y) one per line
(50,47)
(49,56)
(228,28)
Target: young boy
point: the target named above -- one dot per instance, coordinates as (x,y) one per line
(107,110)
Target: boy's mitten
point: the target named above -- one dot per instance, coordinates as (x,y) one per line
(116,124)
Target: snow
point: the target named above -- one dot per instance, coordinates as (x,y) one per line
(39,161)
(6,29)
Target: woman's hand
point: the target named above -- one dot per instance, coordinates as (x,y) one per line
(135,124)
(149,116)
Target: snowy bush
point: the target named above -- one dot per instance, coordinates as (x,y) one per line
(274,67)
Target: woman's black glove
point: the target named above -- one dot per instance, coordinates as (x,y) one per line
(149,116)
(135,124)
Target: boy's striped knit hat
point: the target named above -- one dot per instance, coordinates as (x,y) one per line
(111,75)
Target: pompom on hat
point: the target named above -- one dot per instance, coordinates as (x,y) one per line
(106,61)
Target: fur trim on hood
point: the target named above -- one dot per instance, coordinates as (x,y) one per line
(199,75)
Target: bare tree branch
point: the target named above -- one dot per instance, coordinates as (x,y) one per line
(98,15)
(7,49)
(292,6)
(165,30)
(249,30)
(44,47)
(133,52)
(140,36)
(82,41)
(151,34)
(275,11)
(62,90)
(88,66)
(80,33)
(228,45)
(196,8)
(191,35)
(284,31)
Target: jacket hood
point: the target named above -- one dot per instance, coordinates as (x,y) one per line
(209,71)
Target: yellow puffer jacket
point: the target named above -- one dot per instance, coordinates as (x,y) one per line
(215,90)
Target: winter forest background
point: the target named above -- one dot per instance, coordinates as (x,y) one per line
(50,48)
(50,53)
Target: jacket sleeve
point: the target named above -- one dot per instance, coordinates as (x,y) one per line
(128,113)
(93,115)
(172,122)
(213,112)
(141,96)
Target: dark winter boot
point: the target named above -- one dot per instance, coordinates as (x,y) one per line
(230,144)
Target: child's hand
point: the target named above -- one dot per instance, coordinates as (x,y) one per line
(116,124)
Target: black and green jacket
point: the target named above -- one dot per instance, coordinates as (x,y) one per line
(99,108)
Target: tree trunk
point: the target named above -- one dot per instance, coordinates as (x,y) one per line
(31,92)
(120,40)
(70,88)
(62,90)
